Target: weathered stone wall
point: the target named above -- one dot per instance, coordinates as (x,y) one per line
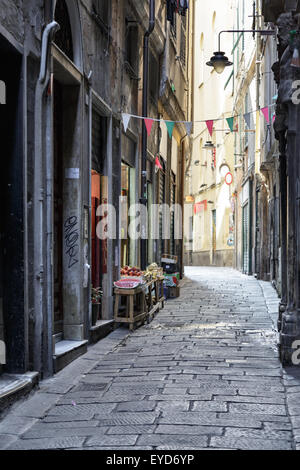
(12,18)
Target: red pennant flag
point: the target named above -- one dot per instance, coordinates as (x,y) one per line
(148,124)
(158,164)
(210,125)
(265,112)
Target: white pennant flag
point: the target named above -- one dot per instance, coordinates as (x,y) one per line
(126,118)
(188,126)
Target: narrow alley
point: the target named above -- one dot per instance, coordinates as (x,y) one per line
(203,374)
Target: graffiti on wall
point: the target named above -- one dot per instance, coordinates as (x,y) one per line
(71,240)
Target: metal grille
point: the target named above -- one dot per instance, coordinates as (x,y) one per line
(183,44)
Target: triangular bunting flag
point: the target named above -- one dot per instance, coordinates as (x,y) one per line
(247,118)
(158,164)
(170,126)
(265,112)
(230,123)
(210,125)
(148,124)
(126,118)
(188,126)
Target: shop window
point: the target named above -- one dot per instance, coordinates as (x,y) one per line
(127,198)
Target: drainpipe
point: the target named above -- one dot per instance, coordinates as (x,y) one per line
(258,84)
(143,199)
(182,202)
(39,190)
(88,266)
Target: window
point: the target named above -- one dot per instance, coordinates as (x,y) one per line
(174,27)
(183,41)
(201,81)
(63,37)
(213,28)
(153,77)
(131,51)
(245,127)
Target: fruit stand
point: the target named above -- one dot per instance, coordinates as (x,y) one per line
(142,292)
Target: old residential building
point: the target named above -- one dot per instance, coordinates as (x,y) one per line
(256,189)
(72,68)
(284,16)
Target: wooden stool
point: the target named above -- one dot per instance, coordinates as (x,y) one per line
(132,316)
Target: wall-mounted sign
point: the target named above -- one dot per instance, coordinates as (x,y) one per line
(228,178)
(200,206)
(72,173)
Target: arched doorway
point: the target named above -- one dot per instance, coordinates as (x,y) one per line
(69,37)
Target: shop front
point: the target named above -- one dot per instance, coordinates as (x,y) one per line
(127,200)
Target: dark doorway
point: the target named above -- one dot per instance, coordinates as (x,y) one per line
(12,318)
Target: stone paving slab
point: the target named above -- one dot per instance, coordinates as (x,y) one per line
(204,374)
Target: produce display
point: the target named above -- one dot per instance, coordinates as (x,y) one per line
(131,271)
(154,272)
(132,277)
(127,283)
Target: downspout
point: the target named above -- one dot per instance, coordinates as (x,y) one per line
(143,199)
(182,202)
(258,152)
(89,264)
(39,193)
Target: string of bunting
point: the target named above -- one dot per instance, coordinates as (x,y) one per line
(188,124)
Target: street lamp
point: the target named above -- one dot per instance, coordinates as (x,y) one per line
(219,61)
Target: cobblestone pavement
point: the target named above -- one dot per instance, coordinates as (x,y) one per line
(203,374)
